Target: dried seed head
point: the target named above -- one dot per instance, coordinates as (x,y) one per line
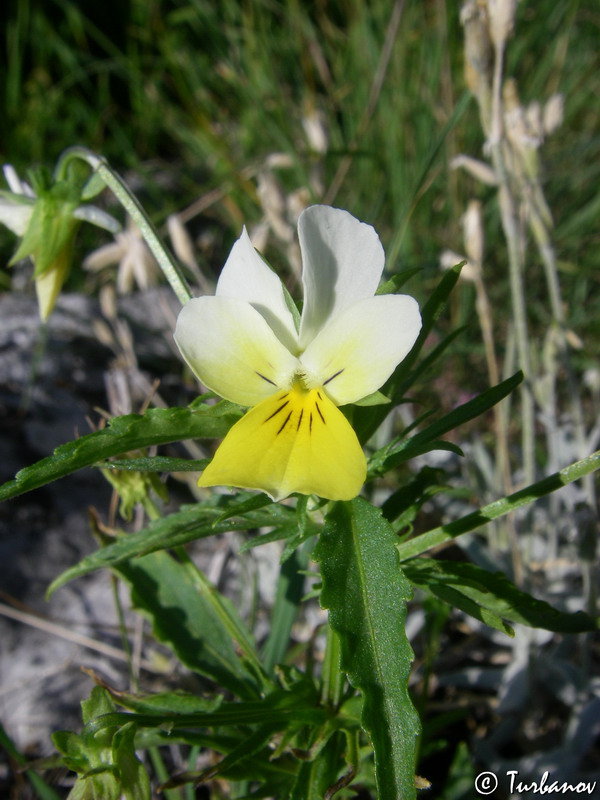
(478,55)
(108,303)
(533,116)
(259,236)
(272,200)
(473,232)
(523,125)
(316,132)
(501,14)
(478,169)
(297,202)
(181,240)
(553,113)
(279,161)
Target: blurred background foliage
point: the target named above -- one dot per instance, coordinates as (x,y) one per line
(191,99)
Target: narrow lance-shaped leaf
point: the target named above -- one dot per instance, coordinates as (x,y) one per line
(189,523)
(366,594)
(436,536)
(394,454)
(181,617)
(122,434)
(479,592)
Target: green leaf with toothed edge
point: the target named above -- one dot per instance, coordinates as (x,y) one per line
(491,597)
(121,435)
(191,522)
(366,594)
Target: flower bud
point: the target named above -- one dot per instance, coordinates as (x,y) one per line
(478,56)
(501,14)
(553,113)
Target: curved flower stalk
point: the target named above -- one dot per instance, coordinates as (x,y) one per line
(247,345)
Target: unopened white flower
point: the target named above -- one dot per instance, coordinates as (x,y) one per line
(248,346)
(136,264)
(46,224)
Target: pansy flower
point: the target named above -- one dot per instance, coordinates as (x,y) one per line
(247,345)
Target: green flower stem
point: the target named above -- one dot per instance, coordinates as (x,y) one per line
(332,679)
(445,533)
(133,207)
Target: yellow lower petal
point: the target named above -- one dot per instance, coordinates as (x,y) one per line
(294,441)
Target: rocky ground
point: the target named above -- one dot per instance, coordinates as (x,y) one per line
(530,704)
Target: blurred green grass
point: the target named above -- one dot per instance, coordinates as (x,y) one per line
(193,96)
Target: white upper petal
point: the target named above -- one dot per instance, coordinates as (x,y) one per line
(342,262)
(247,277)
(15,215)
(232,350)
(359,349)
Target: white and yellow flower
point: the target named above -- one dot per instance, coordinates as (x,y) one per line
(246,345)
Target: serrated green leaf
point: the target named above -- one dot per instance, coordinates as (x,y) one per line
(300,705)
(177,702)
(191,522)
(99,702)
(164,592)
(470,522)
(366,594)
(493,592)
(252,503)
(130,432)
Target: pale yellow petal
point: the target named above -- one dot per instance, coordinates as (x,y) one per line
(359,349)
(247,277)
(231,349)
(49,284)
(294,441)
(342,262)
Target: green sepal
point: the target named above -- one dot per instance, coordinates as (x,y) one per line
(103,757)
(374,399)
(51,228)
